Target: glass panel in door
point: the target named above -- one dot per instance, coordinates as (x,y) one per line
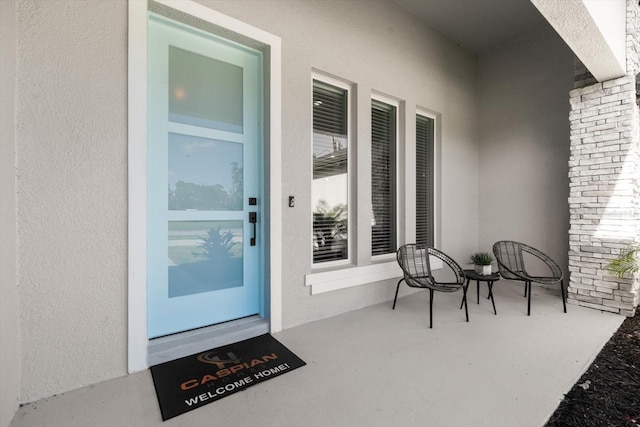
(204,150)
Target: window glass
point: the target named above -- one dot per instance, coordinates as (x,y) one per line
(329,193)
(424,180)
(196,99)
(204,256)
(204,174)
(383,178)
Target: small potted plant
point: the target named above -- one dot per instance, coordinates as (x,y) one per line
(482,262)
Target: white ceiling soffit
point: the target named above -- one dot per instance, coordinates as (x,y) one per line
(478,25)
(595,39)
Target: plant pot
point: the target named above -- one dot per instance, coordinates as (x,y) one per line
(485,270)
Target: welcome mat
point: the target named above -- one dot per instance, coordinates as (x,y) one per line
(193,381)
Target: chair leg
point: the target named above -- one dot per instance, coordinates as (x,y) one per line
(465,293)
(430,308)
(525,289)
(464,299)
(528,287)
(490,285)
(564,299)
(478,290)
(396,297)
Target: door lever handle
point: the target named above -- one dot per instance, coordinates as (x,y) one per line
(253,219)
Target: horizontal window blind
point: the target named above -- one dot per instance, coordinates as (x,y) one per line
(330,172)
(383,178)
(329,109)
(424,180)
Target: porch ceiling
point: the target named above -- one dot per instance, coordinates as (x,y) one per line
(479,26)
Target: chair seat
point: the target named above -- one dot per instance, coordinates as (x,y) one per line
(430,283)
(447,287)
(545,280)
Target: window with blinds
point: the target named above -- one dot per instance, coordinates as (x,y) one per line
(329,191)
(383,178)
(424,179)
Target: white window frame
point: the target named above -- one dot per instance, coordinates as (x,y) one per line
(385,267)
(351,235)
(399,209)
(420,111)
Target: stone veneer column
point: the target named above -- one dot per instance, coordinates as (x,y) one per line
(604,174)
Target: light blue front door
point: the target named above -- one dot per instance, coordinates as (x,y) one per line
(205,196)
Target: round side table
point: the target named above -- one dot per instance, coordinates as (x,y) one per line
(490,279)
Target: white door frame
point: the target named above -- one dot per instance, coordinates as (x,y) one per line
(137,165)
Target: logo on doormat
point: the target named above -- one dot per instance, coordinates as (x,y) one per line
(213,358)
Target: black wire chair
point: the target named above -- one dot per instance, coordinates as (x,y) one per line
(510,257)
(416,267)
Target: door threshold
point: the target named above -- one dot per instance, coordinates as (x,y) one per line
(171,347)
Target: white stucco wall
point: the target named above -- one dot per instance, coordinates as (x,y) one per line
(592,35)
(611,16)
(72,177)
(72,193)
(381,47)
(9,317)
(524,146)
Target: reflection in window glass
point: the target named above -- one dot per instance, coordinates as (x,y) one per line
(330,184)
(204,174)
(204,256)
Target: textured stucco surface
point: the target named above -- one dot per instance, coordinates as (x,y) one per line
(595,40)
(72,172)
(610,17)
(72,192)
(9,311)
(379,46)
(524,146)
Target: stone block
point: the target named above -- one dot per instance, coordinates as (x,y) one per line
(617,304)
(620,81)
(613,136)
(619,106)
(601,127)
(585,90)
(628,313)
(605,101)
(587,270)
(599,307)
(603,295)
(612,98)
(597,117)
(603,292)
(590,299)
(576,286)
(625,286)
(629,87)
(606,284)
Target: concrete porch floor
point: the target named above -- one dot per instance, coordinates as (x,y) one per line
(383,367)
